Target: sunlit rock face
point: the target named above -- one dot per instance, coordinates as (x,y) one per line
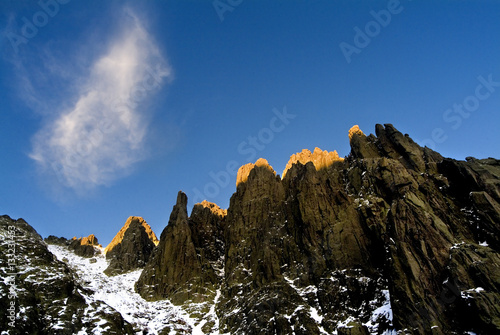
(131,247)
(355,130)
(134,221)
(321,159)
(213,208)
(244,171)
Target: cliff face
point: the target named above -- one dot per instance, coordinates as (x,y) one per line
(187,263)
(394,236)
(131,248)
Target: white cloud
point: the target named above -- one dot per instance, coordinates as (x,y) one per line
(101,136)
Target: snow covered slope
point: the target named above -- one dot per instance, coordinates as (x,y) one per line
(118,292)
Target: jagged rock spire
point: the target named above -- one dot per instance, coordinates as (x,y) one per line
(184,265)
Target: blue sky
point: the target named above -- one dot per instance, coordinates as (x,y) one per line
(109,108)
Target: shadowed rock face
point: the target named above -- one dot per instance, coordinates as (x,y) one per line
(48,298)
(187,264)
(131,248)
(62,241)
(391,224)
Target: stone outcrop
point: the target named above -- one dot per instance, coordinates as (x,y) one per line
(355,130)
(393,227)
(320,158)
(46,297)
(244,171)
(207,227)
(187,263)
(84,246)
(61,241)
(131,247)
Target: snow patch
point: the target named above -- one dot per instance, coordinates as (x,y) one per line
(119,293)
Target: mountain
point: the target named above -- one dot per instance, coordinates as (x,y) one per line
(131,247)
(41,295)
(392,239)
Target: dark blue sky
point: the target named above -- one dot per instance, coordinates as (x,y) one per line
(110,108)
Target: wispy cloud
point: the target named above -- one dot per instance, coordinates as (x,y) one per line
(100,137)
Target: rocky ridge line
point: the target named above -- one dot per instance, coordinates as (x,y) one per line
(320,158)
(393,223)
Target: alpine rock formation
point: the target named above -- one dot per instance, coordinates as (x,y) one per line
(392,239)
(82,246)
(189,262)
(131,247)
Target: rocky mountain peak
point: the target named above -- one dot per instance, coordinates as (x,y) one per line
(131,247)
(84,246)
(179,214)
(121,233)
(187,263)
(320,158)
(244,171)
(212,207)
(355,130)
(389,143)
(392,224)
(89,240)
